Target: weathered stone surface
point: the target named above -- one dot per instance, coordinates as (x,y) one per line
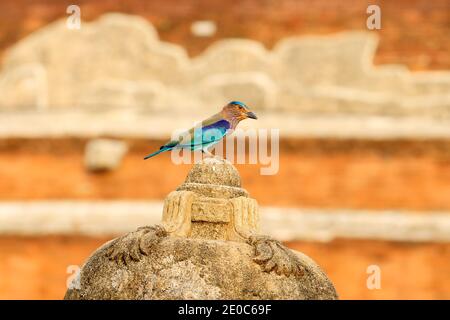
(179,268)
(215,172)
(116,47)
(231,56)
(110,94)
(256,88)
(104,154)
(118,61)
(24,88)
(207,247)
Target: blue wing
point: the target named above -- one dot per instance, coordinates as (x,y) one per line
(207,135)
(198,138)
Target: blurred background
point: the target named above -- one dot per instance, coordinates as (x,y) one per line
(364,119)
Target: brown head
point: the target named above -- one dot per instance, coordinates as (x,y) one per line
(236,111)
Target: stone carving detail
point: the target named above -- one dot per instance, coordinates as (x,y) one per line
(177,212)
(207,247)
(273,256)
(132,246)
(198,210)
(191,214)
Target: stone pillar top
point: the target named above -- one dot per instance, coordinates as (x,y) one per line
(214,178)
(211,204)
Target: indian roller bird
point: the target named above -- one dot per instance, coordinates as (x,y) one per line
(210,131)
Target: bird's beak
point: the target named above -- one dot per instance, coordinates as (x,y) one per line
(251,115)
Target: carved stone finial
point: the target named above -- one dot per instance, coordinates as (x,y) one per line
(211,204)
(207,247)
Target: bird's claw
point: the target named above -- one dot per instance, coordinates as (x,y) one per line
(134,245)
(273,256)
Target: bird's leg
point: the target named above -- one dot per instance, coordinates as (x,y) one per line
(207,153)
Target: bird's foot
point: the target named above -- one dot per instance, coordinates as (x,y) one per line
(207,154)
(273,256)
(134,245)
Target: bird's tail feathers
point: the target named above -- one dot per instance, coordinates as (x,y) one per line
(164,148)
